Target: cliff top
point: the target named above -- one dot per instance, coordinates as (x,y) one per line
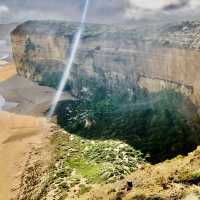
(62,28)
(181,35)
(53,27)
(68,29)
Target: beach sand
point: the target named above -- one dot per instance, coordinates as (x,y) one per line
(7,71)
(31,98)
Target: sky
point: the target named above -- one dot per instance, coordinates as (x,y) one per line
(100,11)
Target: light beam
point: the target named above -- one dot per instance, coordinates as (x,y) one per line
(69,65)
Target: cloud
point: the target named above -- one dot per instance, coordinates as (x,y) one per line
(142,8)
(100,11)
(3,9)
(158,5)
(194,4)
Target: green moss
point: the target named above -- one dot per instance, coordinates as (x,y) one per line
(189,177)
(84,189)
(95,161)
(90,171)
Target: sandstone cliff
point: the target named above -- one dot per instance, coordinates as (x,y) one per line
(110,55)
(41,49)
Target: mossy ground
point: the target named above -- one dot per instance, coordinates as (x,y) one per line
(78,164)
(176,179)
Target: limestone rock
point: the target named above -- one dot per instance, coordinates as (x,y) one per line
(111,56)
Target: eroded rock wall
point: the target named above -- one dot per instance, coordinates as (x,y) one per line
(115,57)
(173,68)
(106,55)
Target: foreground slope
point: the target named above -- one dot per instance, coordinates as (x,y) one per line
(67,178)
(19,136)
(174,179)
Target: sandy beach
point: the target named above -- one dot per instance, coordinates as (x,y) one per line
(31,98)
(7,71)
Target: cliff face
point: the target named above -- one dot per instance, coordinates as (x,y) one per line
(41,49)
(110,56)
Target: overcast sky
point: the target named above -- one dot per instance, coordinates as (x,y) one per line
(102,11)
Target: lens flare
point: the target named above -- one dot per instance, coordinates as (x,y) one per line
(69,65)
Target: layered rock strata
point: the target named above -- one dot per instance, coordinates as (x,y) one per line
(113,56)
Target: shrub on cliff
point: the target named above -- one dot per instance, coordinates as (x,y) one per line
(153,123)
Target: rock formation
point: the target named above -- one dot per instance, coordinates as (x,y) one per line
(114,56)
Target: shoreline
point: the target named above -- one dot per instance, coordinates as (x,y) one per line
(20,135)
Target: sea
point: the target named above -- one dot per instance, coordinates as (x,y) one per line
(4,52)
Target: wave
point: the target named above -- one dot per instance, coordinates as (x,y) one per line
(2,102)
(6,106)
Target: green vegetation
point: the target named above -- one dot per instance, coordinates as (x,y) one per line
(84,189)
(79,163)
(96,161)
(155,123)
(29,46)
(89,33)
(50,79)
(189,177)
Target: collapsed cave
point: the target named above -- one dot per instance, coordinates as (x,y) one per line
(161,124)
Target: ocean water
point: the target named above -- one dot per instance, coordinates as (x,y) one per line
(6,106)
(2,102)
(4,51)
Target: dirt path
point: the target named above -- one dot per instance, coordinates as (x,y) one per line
(18,136)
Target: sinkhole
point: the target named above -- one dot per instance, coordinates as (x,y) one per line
(161,124)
